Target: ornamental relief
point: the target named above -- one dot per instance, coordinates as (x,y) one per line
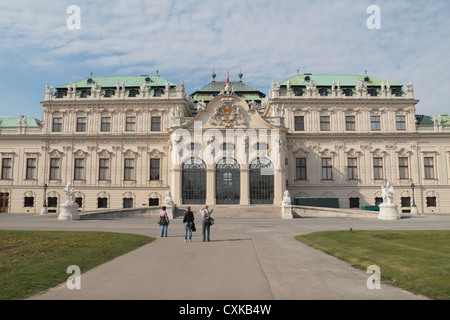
(155,153)
(80,154)
(55,153)
(227,114)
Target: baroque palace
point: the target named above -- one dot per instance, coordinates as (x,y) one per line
(124,142)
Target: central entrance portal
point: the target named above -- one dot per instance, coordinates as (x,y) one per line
(194,181)
(228,181)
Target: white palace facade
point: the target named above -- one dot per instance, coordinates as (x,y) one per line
(124,142)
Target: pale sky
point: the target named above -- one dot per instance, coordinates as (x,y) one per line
(187,39)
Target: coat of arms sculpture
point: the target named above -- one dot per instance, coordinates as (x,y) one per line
(227,113)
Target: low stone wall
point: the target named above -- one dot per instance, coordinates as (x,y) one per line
(121,213)
(297,212)
(320,212)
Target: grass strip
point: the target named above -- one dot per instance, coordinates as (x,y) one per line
(34,261)
(417,261)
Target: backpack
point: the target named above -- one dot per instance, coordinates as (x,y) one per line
(206,217)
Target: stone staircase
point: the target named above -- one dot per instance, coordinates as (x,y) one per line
(254,211)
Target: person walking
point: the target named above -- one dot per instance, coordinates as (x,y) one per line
(188,221)
(163,221)
(206,215)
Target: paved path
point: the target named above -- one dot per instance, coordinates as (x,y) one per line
(246,259)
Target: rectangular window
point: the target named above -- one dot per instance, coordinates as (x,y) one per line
(299,123)
(378,168)
(81,124)
(300,169)
(6,169)
(54,169)
(375,123)
(105,124)
(327,173)
(261,146)
(324,123)
(130,124)
(102,202)
(431,201)
(28,202)
(128,169)
(225,146)
(400,122)
(403,168)
(154,169)
(79,201)
(156,124)
(378,200)
(31,169)
(153,202)
(352,169)
(405,201)
(353,202)
(127,203)
(57,125)
(79,169)
(109,93)
(52,202)
(103,172)
(350,124)
(429,167)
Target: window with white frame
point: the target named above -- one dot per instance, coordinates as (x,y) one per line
(403,168)
(428,163)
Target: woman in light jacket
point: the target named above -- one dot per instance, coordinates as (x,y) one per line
(164,221)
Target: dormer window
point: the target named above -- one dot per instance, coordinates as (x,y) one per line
(298,92)
(158,93)
(109,93)
(396,92)
(84,93)
(323,92)
(348,92)
(133,93)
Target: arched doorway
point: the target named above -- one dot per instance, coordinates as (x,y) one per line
(194,181)
(261,181)
(228,181)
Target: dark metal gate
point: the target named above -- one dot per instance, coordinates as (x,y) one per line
(194,181)
(4,202)
(261,181)
(228,181)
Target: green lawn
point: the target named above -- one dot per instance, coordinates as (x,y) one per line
(33,261)
(417,261)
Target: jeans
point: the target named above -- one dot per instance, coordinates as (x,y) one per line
(164,230)
(205,227)
(187,226)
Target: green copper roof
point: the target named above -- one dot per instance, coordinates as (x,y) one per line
(218,86)
(128,81)
(326,80)
(428,120)
(14,122)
